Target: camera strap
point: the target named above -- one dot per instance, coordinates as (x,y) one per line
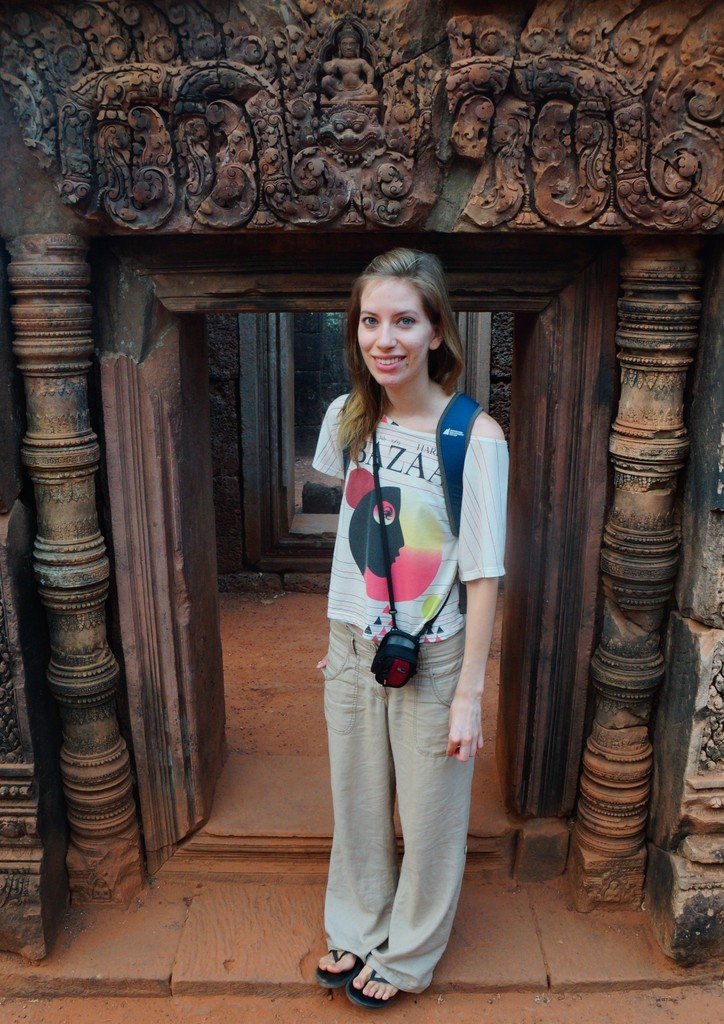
(376,463)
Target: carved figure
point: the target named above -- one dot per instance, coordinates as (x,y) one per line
(349,78)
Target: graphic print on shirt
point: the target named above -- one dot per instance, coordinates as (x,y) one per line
(414,536)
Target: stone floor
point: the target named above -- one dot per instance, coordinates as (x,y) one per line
(211,944)
(262,939)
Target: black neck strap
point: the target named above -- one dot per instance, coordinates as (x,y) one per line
(376,462)
(383,527)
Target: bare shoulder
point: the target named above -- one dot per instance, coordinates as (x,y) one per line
(486,426)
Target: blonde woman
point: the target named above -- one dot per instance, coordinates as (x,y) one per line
(388,924)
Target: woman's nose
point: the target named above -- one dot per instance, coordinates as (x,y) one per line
(386,336)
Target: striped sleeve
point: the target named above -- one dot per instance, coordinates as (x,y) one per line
(328,456)
(482,518)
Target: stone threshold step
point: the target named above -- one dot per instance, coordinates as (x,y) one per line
(267,939)
(274,813)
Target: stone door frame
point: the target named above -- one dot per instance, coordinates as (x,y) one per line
(150,299)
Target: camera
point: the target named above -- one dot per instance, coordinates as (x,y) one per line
(396,659)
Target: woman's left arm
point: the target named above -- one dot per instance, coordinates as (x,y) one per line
(466,735)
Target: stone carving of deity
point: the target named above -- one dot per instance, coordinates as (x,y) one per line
(348,77)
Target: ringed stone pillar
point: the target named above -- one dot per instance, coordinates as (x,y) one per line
(659,311)
(51,314)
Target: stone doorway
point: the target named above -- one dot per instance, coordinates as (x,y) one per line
(155,410)
(273,615)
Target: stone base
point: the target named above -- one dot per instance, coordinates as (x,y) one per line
(541,850)
(685,903)
(109,872)
(21,911)
(600,880)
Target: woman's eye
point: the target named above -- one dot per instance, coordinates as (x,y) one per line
(368,321)
(406,321)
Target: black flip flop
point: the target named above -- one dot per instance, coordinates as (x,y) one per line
(338,979)
(355,995)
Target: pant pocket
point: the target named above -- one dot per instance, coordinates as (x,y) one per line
(341,686)
(435,687)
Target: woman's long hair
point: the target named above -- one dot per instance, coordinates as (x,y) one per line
(367,400)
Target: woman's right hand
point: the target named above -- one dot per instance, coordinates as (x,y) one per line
(323,663)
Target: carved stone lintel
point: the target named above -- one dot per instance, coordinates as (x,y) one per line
(658,321)
(195,118)
(592,115)
(51,316)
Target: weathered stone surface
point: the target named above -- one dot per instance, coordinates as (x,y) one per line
(264,584)
(541,850)
(688,790)
(307,582)
(700,584)
(26,203)
(685,900)
(156,414)
(545,107)
(500,404)
(222,337)
(321,498)
(228,517)
(501,368)
(308,343)
(224,428)
(12,408)
(33,829)
(50,277)
(685,877)
(181,123)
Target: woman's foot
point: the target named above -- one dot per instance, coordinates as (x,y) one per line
(331,966)
(369,983)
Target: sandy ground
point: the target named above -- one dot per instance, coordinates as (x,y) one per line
(663,1006)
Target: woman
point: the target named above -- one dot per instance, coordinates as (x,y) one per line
(388,927)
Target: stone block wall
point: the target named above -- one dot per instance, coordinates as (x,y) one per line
(501,369)
(222,334)
(320,373)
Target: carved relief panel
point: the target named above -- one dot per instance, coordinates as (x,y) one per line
(596,115)
(601,115)
(188,116)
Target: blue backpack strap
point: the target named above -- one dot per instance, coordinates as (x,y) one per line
(453,435)
(345,462)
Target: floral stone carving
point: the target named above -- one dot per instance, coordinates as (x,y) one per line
(602,115)
(185,116)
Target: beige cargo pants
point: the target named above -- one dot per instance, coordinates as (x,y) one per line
(396,917)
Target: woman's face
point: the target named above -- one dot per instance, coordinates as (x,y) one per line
(394,333)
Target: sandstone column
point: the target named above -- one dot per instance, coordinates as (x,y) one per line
(49,278)
(659,311)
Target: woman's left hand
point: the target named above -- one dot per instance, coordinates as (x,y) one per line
(466,731)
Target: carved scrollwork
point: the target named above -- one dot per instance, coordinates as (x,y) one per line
(623,119)
(711,756)
(170,115)
(10,745)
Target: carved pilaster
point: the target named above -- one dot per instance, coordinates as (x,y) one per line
(659,313)
(49,277)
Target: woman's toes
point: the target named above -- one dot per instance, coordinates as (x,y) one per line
(361,980)
(328,963)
